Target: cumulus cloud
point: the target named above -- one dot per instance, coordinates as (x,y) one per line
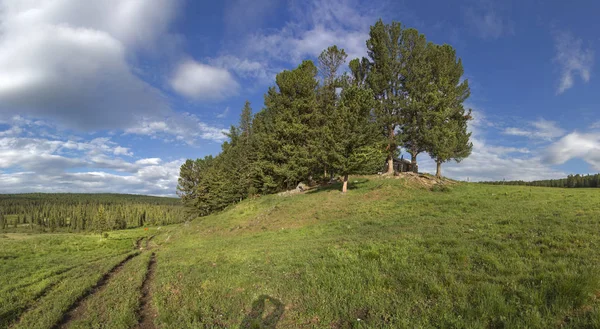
(574,60)
(493,162)
(185,127)
(67,60)
(39,164)
(575,145)
(203,82)
(540,129)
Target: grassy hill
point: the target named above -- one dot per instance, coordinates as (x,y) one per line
(386,254)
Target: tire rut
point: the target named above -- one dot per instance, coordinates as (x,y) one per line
(78,308)
(147,313)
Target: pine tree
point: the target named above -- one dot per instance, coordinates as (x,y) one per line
(447,137)
(330,62)
(101,220)
(417,73)
(283,129)
(357,142)
(359,70)
(385,79)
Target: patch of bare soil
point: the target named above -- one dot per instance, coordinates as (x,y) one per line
(147,313)
(423,180)
(77,310)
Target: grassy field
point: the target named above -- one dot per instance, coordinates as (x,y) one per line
(385,255)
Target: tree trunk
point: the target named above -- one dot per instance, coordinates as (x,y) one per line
(345,186)
(413,162)
(438,172)
(391,150)
(390,162)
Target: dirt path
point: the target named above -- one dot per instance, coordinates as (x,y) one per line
(77,310)
(147,313)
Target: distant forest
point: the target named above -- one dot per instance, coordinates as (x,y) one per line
(572,181)
(86,212)
(327,119)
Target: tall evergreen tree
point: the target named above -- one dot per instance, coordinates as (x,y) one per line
(386,81)
(357,141)
(417,72)
(283,129)
(330,61)
(447,137)
(359,70)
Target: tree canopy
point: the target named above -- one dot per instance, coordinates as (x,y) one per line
(330,119)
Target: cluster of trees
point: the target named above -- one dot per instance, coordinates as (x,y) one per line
(87,212)
(572,181)
(324,119)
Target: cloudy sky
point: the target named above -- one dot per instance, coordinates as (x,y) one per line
(113,95)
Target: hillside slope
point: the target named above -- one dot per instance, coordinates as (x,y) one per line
(387,254)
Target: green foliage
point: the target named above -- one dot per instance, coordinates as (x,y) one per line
(357,143)
(441,188)
(385,80)
(407,93)
(447,137)
(572,181)
(86,212)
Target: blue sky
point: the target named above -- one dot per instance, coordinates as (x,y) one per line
(112,96)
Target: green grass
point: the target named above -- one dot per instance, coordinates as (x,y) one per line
(43,274)
(385,255)
(115,306)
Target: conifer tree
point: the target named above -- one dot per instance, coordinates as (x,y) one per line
(447,137)
(417,73)
(359,70)
(101,220)
(385,79)
(357,141)
(283,129)
(330,61)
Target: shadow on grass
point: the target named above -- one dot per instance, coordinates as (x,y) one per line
(256,320)
(337,186)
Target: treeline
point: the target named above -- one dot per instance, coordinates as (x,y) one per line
(325,119)
(572,181)
(87,212)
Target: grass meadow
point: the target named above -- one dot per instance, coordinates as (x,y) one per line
(384,255)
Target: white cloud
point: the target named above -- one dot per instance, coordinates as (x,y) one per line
(224,113)
(573,59)
(68,60)
(490,162)
(487,23)
(315,25)
(203,82)
(119,150)
(540,129)
(575,145)
(183,127)
(595,125)
(45,165)
(260,72)
(12,131)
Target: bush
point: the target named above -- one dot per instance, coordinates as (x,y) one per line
(440,188)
